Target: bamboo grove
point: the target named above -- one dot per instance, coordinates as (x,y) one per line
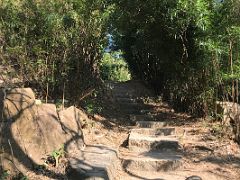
(55,46)
(188,51)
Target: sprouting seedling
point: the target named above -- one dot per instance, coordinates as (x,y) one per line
(4,175)
(57,154)
(24,178)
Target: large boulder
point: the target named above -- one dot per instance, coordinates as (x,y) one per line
(38,131)
(15,104)
(72,120)
(29,131)
(230,113)
(15,101)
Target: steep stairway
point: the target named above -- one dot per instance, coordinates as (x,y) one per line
(98,161)
(153,146)
(129,97)
(143,142)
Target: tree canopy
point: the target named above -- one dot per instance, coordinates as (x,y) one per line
(186,50)
(54,44)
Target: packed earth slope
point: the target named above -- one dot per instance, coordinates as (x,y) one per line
(135,136)
(154,142)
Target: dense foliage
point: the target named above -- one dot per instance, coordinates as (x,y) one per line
(54,45)
(187,50)
(113,67)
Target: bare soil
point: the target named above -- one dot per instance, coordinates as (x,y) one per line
(206,153)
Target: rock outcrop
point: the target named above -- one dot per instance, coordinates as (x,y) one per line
(71,121)
(15,101)
(29,132)
(230,113)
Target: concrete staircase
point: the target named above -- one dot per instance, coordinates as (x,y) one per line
(128,97)
(96,162)
(152,145)
(152,148)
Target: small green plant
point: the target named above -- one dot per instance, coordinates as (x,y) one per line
(216,129)
(24,178)
(57,154)
(220,131)
(159,99)
(20,176)
(5,175)
(92,107)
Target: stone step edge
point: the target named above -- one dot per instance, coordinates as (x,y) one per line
(144,156)
(169,131)
(152,164)
(151,124)
(153,138)
(110,168)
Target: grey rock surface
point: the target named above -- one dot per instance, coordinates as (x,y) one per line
(94,162)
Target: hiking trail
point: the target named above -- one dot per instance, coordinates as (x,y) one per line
(144,139)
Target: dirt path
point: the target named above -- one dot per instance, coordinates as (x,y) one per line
(202,153)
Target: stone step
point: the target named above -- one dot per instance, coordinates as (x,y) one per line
(147,111)
(124,95)
(138,142)
(133,110)
(151,124)
(177,174)
(129,111)
(166,131)
(123,90)
(151,161)
(125,99)
(118,92)
(141,117)
(128,100)
(134,106)
(94,162)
